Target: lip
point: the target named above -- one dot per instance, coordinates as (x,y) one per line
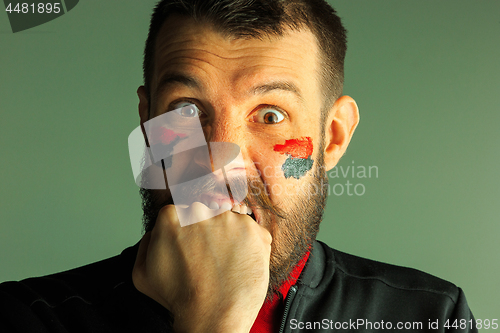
(256,214)
(234,172)
(206,199)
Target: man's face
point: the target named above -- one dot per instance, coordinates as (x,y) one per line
(264,96)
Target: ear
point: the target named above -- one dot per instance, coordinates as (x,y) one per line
(340,126)
(143,107)
(143,104)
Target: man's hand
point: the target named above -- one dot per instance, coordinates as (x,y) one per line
(212,275)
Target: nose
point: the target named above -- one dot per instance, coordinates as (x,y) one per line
(224,154)
(223,159)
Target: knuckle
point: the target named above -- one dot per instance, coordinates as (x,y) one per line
(269,238)
(166,210)
(198,206)
(165,222)
(266,236)
(166,214)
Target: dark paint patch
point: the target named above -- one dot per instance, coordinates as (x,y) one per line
(298,148)
(296,167)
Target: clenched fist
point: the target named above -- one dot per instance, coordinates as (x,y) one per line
(212,275)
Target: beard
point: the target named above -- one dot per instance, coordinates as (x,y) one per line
(293,223)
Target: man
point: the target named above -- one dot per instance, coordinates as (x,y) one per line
(266,76)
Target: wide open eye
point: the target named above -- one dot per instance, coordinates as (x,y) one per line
(269,116)
(187,109)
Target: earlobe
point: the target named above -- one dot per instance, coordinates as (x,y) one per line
(342,121)
(143,104)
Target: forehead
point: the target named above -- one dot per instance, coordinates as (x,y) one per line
(188,46)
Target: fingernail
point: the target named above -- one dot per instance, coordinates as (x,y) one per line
(243,209)
(249,211)
(236,208)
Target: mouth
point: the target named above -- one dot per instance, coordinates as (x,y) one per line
(209,200)
(253,217)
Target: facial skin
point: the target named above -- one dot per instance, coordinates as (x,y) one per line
(237,84)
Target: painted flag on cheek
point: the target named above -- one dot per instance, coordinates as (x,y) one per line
(299,160)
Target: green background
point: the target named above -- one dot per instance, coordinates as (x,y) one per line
(425,75)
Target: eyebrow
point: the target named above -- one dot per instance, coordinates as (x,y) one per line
(279,85)
(173,78)
(262,89)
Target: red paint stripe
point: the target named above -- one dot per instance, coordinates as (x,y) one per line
(302,147)
(164,135)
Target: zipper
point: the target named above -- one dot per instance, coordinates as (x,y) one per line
(288,302)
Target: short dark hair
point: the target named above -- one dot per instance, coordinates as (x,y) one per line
(256,18)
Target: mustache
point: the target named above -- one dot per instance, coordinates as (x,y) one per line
(257,196)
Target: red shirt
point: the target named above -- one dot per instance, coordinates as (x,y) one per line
(269,317)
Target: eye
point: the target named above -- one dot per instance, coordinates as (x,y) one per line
(269,116)
(187,109)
